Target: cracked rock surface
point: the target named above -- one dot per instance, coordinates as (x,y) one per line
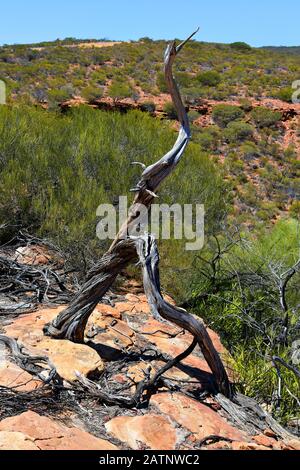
(123,343)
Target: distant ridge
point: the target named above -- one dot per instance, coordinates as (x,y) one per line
(283,49)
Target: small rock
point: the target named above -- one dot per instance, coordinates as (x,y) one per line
(153,431)
(76,439)
(33,425)
(294,444)
(105,310)
(268,432)
(136,371)
(141,307)
(236,445)
(113,339)
(284,446)
(124,307)
(264,440)
(221,445)
(142,298)
(132,298)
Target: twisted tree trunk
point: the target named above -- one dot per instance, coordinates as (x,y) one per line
(71,322)
(148,255)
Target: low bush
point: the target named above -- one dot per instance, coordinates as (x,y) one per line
(265,117)
(284,94)
(238,131)
(56,169)
(170,110)
(119,90)
(209,78)
(223,114)
(241,46)
(148,106)
(91,93)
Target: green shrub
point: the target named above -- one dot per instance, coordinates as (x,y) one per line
(238,131)
(249,150)
(59,95)
(209,78)
(148,106)
(295,209)
(246,105)
(119,90)
(193,115)
(91,93)
(265,117)
(161,82)
(285,94)
(241,46)
(183,79)
(170,110)
(223,114)
(208,138)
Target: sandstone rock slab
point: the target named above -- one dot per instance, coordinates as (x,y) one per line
(13,376)
(36,432)
(198,418)
(69,357)
(150,431)
(16,441)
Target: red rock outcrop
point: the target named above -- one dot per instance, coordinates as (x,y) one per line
(172,421)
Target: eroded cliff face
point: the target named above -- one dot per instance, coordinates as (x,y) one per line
(277,147)
(289,124)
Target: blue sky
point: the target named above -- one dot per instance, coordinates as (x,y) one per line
(257,22)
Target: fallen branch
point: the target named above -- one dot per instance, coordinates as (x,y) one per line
(249,416)
(144,389)
(31,364)
(25,286)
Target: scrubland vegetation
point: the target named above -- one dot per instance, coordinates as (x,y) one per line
(206,70)
(57,168)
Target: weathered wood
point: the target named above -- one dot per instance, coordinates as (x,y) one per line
(30,363)
(23,286)
(144,388)
(148,255)
(249,416)
(71,323)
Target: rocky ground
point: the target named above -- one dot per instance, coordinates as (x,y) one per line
(123,344)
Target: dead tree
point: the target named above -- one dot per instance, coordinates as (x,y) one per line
(70,323)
